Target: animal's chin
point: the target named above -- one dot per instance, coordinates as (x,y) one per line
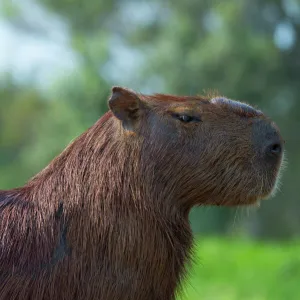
(263,193)
(255,200)
(249,200)
(258,194)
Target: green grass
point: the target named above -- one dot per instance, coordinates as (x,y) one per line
(243,270)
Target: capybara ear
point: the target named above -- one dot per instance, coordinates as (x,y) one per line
(125,105)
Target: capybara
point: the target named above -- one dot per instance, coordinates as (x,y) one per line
(108,218)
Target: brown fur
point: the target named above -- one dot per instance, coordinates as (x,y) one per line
(108,218)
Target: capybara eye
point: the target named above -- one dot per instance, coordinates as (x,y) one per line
(186,118)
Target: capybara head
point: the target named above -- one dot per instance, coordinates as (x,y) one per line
(201,150)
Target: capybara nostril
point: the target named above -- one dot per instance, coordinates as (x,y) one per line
(274,149)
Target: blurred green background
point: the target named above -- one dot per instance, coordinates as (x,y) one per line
(59,59)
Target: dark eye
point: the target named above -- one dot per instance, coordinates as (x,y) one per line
(186,118)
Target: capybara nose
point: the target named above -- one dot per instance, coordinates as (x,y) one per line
(267,140)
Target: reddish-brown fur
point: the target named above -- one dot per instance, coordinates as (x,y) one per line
(108,218)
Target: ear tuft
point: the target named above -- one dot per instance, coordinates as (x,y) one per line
(116,89)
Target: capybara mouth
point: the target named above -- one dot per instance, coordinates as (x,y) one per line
(246,190)
(270,185)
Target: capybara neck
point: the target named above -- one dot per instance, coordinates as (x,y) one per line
(112,207)
(104,166)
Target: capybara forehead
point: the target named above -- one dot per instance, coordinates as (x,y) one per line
(209,103)
(174,103)
(165,100)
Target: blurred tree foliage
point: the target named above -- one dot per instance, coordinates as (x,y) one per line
(183,47)
(16,127)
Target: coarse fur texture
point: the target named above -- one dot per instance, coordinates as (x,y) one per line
(108,218)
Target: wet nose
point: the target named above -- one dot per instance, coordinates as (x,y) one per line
(267,140)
